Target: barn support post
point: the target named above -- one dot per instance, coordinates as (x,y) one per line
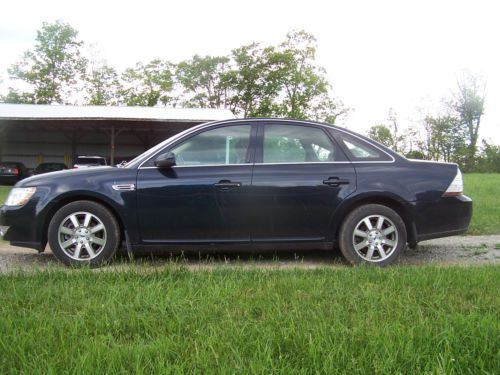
(113,133)
(2,140)
(73,149)
(112,151)
(73,138)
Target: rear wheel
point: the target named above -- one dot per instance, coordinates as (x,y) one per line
(84,233)
(372,234)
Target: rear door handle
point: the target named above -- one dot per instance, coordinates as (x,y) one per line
(335,181)
(226,184)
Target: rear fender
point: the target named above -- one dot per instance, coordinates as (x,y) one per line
(403,208)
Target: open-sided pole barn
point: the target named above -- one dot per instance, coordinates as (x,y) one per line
(33,134)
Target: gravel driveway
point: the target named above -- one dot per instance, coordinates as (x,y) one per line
(454,250)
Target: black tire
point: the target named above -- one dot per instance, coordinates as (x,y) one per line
(355,218)
(111,227)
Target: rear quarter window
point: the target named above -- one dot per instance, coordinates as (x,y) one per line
(359,150)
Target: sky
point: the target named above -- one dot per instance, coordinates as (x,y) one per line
(405,55)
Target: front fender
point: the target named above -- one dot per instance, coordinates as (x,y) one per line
(121,203)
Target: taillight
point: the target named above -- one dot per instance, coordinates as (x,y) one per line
(456,187)
(14,171)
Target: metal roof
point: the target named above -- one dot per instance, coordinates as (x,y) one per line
(71,112)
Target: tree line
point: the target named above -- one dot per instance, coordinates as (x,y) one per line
(252,81)
(280,80)
(451,136)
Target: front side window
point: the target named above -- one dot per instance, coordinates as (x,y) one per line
(220,146)
(296,144)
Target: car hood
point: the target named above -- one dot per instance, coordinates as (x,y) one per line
(70,174)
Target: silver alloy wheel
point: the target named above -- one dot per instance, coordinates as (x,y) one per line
(375,238)
(82,236)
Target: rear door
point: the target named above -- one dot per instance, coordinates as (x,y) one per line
(300,177)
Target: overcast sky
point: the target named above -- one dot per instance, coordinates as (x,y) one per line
(378,54)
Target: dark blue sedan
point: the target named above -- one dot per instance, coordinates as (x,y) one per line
(252,184)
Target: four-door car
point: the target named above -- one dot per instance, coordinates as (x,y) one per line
(250,184)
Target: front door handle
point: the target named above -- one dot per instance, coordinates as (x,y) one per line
(335,181)
(226,184)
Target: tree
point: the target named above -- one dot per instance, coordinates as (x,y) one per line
(381,134)
(52,68)
(148,85)
(468,104)
(102,85)
(489,159)
(206,81)
(15,97)
(444,138)
(295,73)
(253,91)
(397,138)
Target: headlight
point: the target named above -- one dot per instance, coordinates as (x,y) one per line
(19,196)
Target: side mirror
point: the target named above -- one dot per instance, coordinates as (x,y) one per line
(166,160)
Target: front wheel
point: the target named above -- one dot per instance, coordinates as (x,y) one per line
(84,233)
(372,234)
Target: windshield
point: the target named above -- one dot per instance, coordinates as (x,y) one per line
(147,154)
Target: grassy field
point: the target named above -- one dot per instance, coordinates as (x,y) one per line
(349,320)
(484,189)
(4,190)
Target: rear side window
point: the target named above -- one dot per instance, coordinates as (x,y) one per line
(359,150)
(296,144)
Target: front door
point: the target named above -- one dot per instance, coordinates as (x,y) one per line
(205,197)
(300,177)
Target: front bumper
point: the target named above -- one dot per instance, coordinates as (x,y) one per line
(449,216)
(19,226)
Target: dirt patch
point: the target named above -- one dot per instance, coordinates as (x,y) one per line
(450,250)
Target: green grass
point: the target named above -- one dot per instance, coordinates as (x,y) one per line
(4,191)
(349,320)
(484,189)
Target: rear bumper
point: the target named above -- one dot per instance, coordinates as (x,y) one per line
(449,216)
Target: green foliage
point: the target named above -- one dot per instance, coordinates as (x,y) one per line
(52,68)
(381,134)
(298,78)
(102,86)
(360,320)
(468,104)
(445,139)
(205,81)
(15,97)
(253,90)
(415,154)
(147,85)
(255,81)
(489,158)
